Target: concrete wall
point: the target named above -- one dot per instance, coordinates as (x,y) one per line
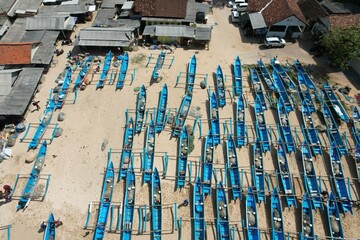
(288,22)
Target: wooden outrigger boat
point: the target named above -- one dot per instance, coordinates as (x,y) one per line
(260,124)
(258,172)
(129,205)
(34,178)
(233,166)
(309,82)
(199,211)
(255,81)
(356,123)
(238,77)
(50,230)
(357,160)
(285,175)
(335,103)
(285,127)
(222,217)
(240,122)
(214,118)
(284,76)
(183,158)
(340,180)
(208,160)
(182,115)
(220,87)
(60,97)
(312,132)
(310,179)
(334,219)
(156,206)
(191,74)
(126,155)
(44,124)
(159,65)
(307,229)
(140,110)
(161,111)
(266,76)
(107,65)
(84,72)
(305,93)
(252,226)
(282,92)
(333,130)
(105,203)
(277,229)
(123,70)
(149,152)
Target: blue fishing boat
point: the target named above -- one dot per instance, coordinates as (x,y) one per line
(161,111)
(159,65)
(123,70)
(191,74)
(50,230)
(309,82)
(260,124)
(277,229)
(126,155)
(238,77)
(307,230)
(252,226)
(34,178)
(222,217)
(214,118)
(60,97)
(285,175)
(156,206)
(220,87)
(84,71)
(255,81)
(105,202)
(340,180)
(285,127)
(335,103)
(334,219)
(199,211)
(311,131)
(149,152)
(208,160)
(258,172)
(357,160)
(284,76)
(356,123)
(266,76)
(182,115)
(140,110)
(333,130)
(104,73)
(282,92)
(233,166)
(305,93)
(310,179)
(240,122)
(129,205)
(183,158)
(45,121)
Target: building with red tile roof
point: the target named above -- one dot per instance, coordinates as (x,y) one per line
(15,53)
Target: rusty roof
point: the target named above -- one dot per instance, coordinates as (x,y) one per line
(275,11)
(15,53)
(311,9)
(344,20)
(161,8)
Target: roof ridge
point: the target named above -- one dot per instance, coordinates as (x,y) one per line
(266,6)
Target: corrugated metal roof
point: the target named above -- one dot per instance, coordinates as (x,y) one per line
(169,30)
(50,23)
(63,9)
(5,5)
(257,20)
(104,17)
(5,25)
(104,43)
(105,37)
(111,3)
(17,101)
(195,7)
(127,5)
(45,51)
(25,7)
(7,79)
(16,31)
(203,33)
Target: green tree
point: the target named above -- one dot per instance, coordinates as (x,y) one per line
(342,45)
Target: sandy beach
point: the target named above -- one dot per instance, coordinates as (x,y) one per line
(76,162)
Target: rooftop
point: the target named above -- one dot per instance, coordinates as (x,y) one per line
(169,30)
(161,8)
(107,37)
(344,20)
(312,9)
(15,53)
(25,7)
(50,23)
(104,18)
(341,8)
(111,3)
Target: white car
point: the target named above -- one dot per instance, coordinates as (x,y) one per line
(235,16)
(274,42)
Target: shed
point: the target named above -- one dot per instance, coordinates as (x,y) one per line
(203,33)
(111,3)
(257,20)
(50,23)
(23,8)
(7,79)
(106,37)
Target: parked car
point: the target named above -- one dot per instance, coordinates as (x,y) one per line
(274,42)
(235,17)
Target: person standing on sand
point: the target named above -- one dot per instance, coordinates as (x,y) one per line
(36,104)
